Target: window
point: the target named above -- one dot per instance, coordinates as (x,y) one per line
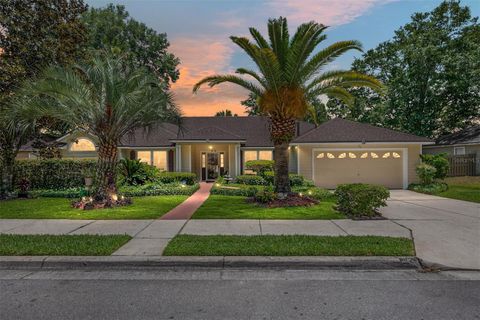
(373,155)
(250,155)
(342,155)
(396,155)
(459,151)
(157,158)
(321,155)
(352,155)
(265,155)
(330,156)
(144,156)
(82,144)
(222,160)
(386,155)
(160,160)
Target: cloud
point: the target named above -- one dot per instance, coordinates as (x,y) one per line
(328,12)
(201,57)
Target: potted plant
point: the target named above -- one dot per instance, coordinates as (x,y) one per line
(88,173)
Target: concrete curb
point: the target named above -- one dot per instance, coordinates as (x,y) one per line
(125,262)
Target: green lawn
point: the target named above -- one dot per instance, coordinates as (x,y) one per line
(60,245)
(59,208)
(295,245)
(462,188)
(233,207)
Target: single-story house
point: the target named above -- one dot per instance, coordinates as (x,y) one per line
(338,151)
(462,143)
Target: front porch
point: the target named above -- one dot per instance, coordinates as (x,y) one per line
(208,160)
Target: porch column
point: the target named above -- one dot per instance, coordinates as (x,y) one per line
(178,158)
(237,160)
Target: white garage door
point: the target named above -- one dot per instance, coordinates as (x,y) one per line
(383,167)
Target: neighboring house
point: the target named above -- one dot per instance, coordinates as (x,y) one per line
(462,143)
(338,151)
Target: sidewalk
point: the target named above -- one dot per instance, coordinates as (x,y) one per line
(150,237)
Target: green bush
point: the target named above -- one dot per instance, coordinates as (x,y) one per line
(315,193)
(265,196)
(260,166)
(295,179)
(61,193)
(251,180)
(426,173)
(439,162)
(156,189)
(170,177)
(359,199)
(226,191)
(53,173)
(433,188)
(135,172)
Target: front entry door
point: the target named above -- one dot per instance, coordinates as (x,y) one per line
(212,165)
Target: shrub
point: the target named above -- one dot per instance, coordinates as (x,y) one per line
(433,188)
(426,173)
(226,191)
(264,196)
(260,166)
(65,193)
(359,199)
(170,177)
(295,179)
(156,189)
(315,193)
(251,180)
(134,172)
(439,162)
(53,173)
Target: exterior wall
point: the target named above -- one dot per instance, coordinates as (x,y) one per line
(293,160)
(305,156)
(198,148)
(21,155)
(469,149)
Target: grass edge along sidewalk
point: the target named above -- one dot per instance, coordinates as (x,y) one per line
(288,245)
(60,245)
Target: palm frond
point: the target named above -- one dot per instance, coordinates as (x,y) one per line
(218,79)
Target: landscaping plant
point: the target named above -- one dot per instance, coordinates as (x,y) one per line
(426,173)
(250,179)
(360,200)
(292,75)
(260,166)
(439,162)
(106,98)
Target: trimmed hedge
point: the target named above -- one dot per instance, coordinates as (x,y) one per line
(70,193)
(251,180)
(155,189)
(244,192)
(295,179)
(260,166)
(358,199)
(170,177)
(53,173)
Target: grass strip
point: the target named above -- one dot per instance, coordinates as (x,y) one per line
(60,245)
(288,245)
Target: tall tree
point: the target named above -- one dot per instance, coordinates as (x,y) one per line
(106,98)
(33,35)
(432,70)
(251,105)
(290,76)
(111,28)
(225,113)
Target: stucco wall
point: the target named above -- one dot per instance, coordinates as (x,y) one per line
(469,149)
(305,156)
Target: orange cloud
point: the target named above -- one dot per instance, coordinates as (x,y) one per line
(328,12)
(201,57)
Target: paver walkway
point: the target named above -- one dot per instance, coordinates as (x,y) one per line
(186,209)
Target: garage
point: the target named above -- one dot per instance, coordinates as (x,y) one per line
(386,167)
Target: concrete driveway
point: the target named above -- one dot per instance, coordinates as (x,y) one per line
(446,231)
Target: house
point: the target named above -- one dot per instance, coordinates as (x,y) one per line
(338,151)
(465,144)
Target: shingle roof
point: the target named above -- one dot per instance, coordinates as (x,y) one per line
(253,130)
(340,130)
(470,135)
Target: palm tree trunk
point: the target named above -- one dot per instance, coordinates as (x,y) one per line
(282,181)
(282,132)
(106,175)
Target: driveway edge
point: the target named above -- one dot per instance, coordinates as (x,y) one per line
(123,262)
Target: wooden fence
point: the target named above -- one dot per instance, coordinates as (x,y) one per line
(462,165)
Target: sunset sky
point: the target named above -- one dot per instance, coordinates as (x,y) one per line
(198,32)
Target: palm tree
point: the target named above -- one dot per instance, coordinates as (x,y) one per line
(106,98)
(290,75)
(225,113)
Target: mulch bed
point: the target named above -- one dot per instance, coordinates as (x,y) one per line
(293,200)
(87,203)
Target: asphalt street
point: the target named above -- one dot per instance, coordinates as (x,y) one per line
(238,294)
